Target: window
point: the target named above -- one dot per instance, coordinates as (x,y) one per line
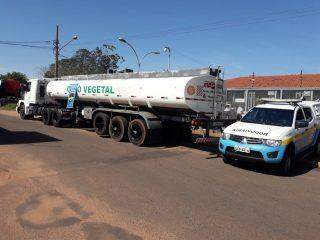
(308,114)
(42,91)
(317,109)
(270,116)
(300,116)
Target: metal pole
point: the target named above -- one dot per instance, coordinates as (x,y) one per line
(56,49)
(168,49)
(144,56)
(135,52)
(169,61)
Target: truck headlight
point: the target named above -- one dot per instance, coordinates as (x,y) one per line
(226,136)
(272,143)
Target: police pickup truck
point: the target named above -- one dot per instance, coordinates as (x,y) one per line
(276,132)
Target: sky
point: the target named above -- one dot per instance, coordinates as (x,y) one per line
(261,36)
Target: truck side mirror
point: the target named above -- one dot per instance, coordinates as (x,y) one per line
(301,124)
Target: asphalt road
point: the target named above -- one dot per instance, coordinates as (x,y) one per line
(58,183)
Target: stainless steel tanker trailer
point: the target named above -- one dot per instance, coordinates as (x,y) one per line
(128,106)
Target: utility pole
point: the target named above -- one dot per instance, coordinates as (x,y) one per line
(301,78)
(252,80)
(56,51)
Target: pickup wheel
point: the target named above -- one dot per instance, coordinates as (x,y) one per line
(57,118)
(118,129)
(287,162)
(101,123)
(316,149)
(227,160)
(138,132)
(46,116)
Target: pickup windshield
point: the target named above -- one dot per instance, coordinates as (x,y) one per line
(269,116)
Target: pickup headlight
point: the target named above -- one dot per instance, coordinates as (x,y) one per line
(226,136)
(272,143)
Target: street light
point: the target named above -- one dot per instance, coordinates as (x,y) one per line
(75,37)
(168,50)
(147,54)
(57,49)
(121,39)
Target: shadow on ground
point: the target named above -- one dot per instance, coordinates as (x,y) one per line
(23,137)
(99,230)
(301,167)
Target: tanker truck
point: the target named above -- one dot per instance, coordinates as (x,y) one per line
(128,106)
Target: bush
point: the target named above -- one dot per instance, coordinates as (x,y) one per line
(9,106)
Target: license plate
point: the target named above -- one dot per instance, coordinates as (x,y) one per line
(242,149)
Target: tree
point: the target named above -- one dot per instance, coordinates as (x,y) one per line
(18,76)
(98,61)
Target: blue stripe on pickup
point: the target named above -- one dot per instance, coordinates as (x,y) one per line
(263,149)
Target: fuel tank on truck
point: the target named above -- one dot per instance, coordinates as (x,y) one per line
(186,90)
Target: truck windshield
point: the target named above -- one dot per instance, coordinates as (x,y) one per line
(269,116)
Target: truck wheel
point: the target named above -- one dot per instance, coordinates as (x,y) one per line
(22,112)
(46,116)
(118,129)
(287,162)
(56,118)
(101,124)
(138,133)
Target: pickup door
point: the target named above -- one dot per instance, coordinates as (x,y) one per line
(311,129)
(304,136)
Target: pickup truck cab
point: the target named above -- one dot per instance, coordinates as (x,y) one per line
(275,132)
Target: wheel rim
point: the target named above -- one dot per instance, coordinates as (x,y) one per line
(116,129)
(135,132)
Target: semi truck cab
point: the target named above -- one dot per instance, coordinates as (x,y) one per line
(33,95)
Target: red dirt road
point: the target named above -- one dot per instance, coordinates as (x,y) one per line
(59,183)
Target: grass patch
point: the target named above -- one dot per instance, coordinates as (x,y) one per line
(9,106)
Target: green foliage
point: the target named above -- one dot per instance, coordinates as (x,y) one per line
(18,76)
(98,61)
(9,106)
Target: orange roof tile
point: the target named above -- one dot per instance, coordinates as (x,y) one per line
(281,81)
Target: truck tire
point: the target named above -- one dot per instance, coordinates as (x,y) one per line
(118,129)
(138,132)
(57,118)
(46,116)
(101,123)
(287,163)
(22,112)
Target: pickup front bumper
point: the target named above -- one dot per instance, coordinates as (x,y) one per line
(258,152)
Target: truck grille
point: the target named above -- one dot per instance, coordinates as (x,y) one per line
(247,140)
(253,154)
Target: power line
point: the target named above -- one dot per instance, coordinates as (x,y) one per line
(228,24)
(24,45)
(47,42)
(223,24)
